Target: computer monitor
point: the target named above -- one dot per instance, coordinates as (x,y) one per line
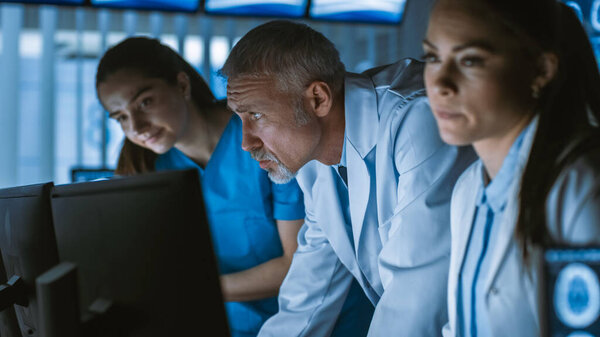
(160,5)
(260,8)
(144,255)
(49,2)
(27,246)
(372,11)
(571,292)
(81,174)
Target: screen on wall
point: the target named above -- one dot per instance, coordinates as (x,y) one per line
(274,8)
(375,11)
(48,2)
(588,12)
(160,5)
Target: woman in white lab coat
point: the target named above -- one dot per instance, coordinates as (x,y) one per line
(517,79)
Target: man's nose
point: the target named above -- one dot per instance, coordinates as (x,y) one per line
(249,139)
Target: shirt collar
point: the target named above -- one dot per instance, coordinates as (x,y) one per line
(343,158)
(495,194)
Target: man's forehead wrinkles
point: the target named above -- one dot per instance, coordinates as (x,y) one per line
(243,83)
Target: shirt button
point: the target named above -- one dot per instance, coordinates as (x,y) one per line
(494,291)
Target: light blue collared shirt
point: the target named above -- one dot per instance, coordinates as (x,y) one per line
(491,202)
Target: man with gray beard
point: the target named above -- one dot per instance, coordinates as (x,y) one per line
(375,174)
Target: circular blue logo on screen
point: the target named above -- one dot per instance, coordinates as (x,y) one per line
(577,296)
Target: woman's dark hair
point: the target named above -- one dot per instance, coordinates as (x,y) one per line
(151,59)
(568,107)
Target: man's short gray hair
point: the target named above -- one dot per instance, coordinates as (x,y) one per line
(293,54)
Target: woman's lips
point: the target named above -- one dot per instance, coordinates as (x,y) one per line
(446,114)
(152,139)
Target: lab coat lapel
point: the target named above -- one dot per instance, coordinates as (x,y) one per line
(465,219)
(462,213)
(361,130)
(505,234)
(358,192)
(331,213)
(511,212)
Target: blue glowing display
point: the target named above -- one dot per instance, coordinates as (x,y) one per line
(588,12)
(274,8)
(376,11)
(49,2)
(166,5)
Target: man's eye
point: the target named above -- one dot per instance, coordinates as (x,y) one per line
(256,115)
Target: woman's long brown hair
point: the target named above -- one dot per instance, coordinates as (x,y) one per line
(151,59)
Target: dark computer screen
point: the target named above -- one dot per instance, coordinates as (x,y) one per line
(160,5)
(27,243)
(273,8)
(373,11)
(144,254)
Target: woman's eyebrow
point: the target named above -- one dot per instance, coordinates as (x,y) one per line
(480,44)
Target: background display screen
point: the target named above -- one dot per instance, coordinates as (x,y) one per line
(588,12)
(50,2)
(274,8)
(166,5)
(376,11)
(572,287)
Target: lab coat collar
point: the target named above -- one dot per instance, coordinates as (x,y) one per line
(362,120)
(468,211)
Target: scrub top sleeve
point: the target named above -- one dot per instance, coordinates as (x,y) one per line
(288,201)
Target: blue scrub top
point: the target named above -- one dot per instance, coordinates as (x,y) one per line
(241,204)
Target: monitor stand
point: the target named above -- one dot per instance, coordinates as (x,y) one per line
(58,301)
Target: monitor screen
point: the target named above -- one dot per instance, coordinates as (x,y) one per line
(571,305)
(27,244)
(588,12)
(143,250)
(274,8)
(89,174)
(160,5)
(373,11)
(49,2)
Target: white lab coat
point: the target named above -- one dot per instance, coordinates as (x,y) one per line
(399,245)
(512,290)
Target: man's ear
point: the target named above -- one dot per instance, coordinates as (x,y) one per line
(320,98)
(183,84)
(547,69)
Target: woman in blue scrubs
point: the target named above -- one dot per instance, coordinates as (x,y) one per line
(516,79)
(172,121)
